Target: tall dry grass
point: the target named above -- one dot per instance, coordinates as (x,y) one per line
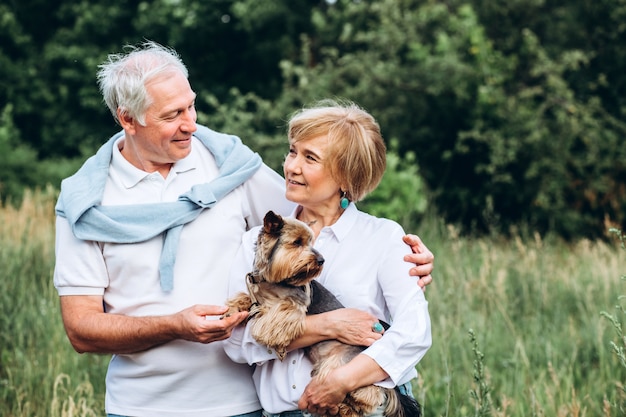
(534,307)
(40,374)
(516,325)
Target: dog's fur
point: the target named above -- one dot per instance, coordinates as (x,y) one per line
(282,291)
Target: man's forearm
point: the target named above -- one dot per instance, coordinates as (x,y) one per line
(99,332)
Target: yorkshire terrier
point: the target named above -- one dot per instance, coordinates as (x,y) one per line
(282,291)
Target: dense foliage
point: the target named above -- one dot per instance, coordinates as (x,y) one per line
(513,111)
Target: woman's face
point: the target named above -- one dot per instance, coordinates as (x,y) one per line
(308,180)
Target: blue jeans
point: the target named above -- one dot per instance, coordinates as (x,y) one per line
(296,413)
(405,389)
(252,414)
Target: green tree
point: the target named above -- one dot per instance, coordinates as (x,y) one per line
(501,136)
(514,110)
(53,49)
(17,161)
(401,194)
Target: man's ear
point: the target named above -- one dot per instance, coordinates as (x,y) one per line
(126,121)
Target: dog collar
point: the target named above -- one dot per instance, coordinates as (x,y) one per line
(255,308)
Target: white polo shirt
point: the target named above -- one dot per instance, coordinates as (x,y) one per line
(179,378)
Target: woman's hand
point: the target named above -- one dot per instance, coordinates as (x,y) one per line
(348,325)
(323,394)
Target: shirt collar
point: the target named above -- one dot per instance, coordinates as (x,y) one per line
(343,225)
(131,175)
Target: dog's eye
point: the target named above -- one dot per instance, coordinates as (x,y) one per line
(298,242)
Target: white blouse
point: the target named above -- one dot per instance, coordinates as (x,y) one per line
(364,268)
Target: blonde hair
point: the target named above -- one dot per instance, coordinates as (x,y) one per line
(356,150)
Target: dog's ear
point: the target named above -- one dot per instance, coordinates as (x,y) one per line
(273,223)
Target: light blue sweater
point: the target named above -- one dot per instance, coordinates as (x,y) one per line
(81,196)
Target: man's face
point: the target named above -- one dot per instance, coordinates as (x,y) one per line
(170,121)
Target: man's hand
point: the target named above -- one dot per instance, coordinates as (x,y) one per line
(423,259)
(204,323)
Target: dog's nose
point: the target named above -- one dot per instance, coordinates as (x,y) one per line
(318,257)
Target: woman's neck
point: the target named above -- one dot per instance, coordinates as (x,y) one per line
(317,219)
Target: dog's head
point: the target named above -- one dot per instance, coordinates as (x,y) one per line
(285,253)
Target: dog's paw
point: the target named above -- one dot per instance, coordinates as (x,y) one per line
(275,341)
(240,302)
(276,334)
(230,312)
(362,401)
(281,353)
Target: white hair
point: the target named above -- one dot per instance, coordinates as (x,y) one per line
(122,78)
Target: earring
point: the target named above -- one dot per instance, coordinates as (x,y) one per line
(344,202)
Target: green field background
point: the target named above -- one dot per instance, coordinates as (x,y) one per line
(518,326)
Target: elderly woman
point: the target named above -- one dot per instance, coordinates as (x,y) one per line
(336,157)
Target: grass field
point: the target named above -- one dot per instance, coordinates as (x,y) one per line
(518,328)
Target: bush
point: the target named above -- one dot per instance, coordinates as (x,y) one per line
(401,195)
